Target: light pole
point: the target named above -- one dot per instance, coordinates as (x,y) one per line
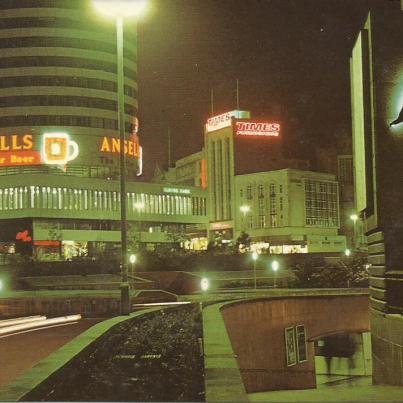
(120,9)
(139,207)
(354,218)
(255,256)
(275,265)
(244,210)
(132,260)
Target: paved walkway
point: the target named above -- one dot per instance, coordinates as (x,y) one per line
(340,389)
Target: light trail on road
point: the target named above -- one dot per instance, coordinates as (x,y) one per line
(38,324)
(17,321)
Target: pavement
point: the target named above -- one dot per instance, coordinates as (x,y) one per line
(335,389)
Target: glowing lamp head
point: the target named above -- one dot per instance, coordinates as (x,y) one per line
(275,265)
(347,252)
(1,285)
(139,205)
(204,284)
(354,217)
(255,255)
(244,209)
(132,259)
(121,8)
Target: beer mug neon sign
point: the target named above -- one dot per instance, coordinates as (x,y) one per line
(58,149)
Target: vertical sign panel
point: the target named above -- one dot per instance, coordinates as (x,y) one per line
(301,343)
(290,348)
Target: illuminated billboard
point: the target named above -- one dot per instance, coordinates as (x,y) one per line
(50,148)
(256,129)
(225,120)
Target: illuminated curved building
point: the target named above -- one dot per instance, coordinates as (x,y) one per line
(59,140)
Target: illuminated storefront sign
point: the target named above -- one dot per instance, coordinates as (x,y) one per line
(58,149)
(224,120)
(176,190)
(18,150)
(112,145)
(140,165)
(16,142)
(257,129)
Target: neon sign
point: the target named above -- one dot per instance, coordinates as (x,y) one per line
(16,142)
(112,145)
(224,120)
(17,150)
(257,129)
(58,149)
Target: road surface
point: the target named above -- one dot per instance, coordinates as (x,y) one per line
(21,352)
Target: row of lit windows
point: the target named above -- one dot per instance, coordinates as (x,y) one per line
(51,22)
(63,61)
(52,198)
(62,120)
(101,172)
(64,81)
(70,4)
(62,42)
(260,190)
(321,203)
(62,100)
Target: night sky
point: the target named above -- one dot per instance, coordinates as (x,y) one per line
(291,58)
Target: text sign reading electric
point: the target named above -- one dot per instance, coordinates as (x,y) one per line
(248,128)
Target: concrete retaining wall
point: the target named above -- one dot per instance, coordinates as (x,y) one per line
(256,330)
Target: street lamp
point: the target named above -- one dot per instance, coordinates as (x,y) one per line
(354,218)
(275,265)
(139,207)
(255,256)
(245,209)
(204,284)
(132,260)
(120,9)
(347,252)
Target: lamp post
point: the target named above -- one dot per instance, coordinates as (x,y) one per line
(275,265)
(244,210)
(255,256)
(354,218)
(132,260)
(139,207)
(120,9)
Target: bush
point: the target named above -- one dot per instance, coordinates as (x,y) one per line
(316,274)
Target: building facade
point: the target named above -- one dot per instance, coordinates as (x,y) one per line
(188,171)
(59,140)
(289,211)
(376,67)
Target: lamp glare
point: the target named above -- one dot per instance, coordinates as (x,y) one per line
(121,8)
(204,284)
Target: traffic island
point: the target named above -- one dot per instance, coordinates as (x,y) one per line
(152,355)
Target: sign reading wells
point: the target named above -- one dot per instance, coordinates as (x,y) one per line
(50,148)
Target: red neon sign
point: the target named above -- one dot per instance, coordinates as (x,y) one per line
(11,158)
(47,243)
(23,236)
(257,129)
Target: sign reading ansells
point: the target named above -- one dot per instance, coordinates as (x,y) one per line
(112,145)
(224,120)
(257,129)
(17,150)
